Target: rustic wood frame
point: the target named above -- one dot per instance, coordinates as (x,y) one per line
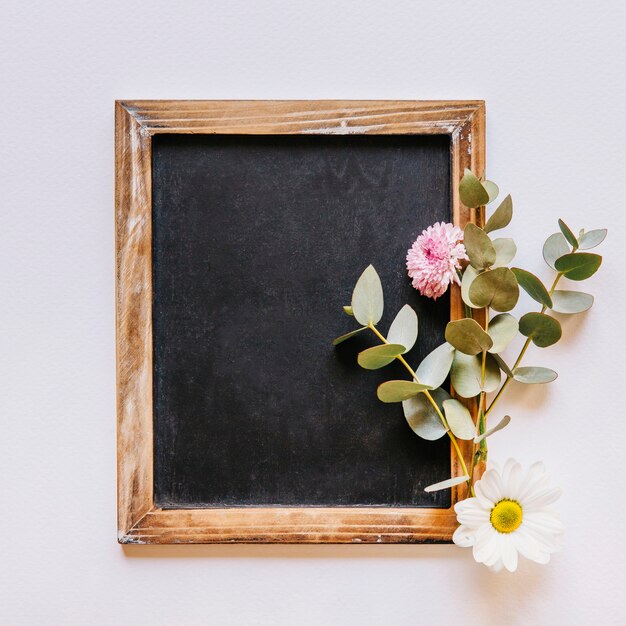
(139,521)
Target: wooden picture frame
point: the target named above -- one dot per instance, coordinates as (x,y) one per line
(136,122)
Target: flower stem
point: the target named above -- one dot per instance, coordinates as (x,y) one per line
(432,401)
(522,352)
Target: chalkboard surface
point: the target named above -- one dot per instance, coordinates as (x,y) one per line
(257,244)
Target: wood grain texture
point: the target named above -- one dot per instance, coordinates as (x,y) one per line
(139,521)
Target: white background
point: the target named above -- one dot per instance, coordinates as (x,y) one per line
(552,74)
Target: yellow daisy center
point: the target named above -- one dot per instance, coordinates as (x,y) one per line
(506,516)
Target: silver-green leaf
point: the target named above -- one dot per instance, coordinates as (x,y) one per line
(496,288)
(534,375)
(568,234)
(341,339)
(399,390)
(459,419)
(471,191)
(367,298)
(491,188)
(469,275)
(505,251)
(592,239)
(502,330)
(465,374)
(468,336)
(348,311)
(479,248)
(503,366)
(532,286)
(505,421)
(403,329)
(542,329)
(554,248)
(578,265)
(434,369)
(447,484)
(379,356)
(501,216)
(570,302)
(422,417)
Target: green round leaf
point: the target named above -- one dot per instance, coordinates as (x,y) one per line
(468,278)
(495,288)
(505,421)
(534,375)
(554,248)
(542,329)
(578,265)
(505,251)
(568,234)
(491,188)
(399,390)
(341,339)
(465,374)
(367,298)
(570,302)
(532,286)
(447,484)
(502,330)
(379,356)
(467,336)
(348,311)
(422,417)
(403,329)
(434,369)
(503,366)
(592,239)
(471,191)
(479,248)
(459,419)
(501,216)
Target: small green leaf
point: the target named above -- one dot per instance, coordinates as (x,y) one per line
(503,366)
(467,336)
(471,191)
(496,288)
(505,421)
(465,374)
(348,311)
(505,251)
(554,248)
(568,234)
(367,298)
(399,390)
(592,239)
(459,419)
(403,329)
(434,369)
(341,339)
(469,276)
(447,484)
(532,286)
(479,248)
(379,356)
(534,375)
(542,329)
(578,265)
(491,188)
(570,302)
(501,216)
(422,417)
(502,330)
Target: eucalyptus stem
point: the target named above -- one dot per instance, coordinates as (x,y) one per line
(435,406)
(522,351)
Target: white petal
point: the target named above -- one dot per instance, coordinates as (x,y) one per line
(528,547)
(509,553)
(541,498)
(497,567)
(535,479)
(546,542)
(490,486)
(486,542)
(468,503)
(512,479)
(473,517)
(544,521)
(463,537)
(495,554)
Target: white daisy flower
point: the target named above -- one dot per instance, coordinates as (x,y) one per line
(509,515)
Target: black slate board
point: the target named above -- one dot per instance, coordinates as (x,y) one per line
(257,244)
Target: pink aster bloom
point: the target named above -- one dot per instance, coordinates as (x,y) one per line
(434,259)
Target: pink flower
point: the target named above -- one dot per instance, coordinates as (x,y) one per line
(434,259)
